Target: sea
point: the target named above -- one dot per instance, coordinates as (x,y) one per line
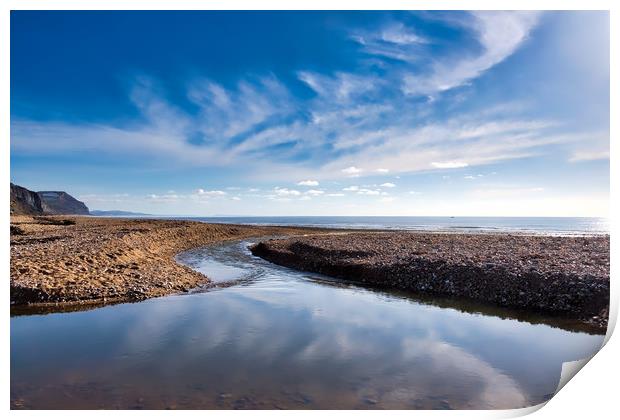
(527,225)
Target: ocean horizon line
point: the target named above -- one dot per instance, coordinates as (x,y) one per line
(348,216)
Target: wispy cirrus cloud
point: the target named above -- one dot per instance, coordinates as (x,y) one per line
(342,87)
(356,124)
(580,156)
(499,35)
(449,165)
(226,113)
(394,41)
(595,148)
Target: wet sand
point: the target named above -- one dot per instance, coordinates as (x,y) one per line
(568,276)
(85,260)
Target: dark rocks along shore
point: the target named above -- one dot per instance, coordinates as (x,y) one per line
(568,276)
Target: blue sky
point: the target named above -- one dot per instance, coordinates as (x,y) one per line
(314,113)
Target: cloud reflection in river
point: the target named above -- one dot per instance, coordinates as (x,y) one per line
(284,341)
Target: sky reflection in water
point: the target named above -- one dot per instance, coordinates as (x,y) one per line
(281,340)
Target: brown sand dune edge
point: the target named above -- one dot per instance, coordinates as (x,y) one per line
(566,276)
(73,259)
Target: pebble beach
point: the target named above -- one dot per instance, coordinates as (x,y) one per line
(568,276)
(64,260)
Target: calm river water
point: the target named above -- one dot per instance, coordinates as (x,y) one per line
(270,337)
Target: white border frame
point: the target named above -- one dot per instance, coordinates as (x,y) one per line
(592,394)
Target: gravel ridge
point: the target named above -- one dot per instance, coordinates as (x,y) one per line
(560,275)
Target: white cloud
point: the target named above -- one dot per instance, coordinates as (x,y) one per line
(395,41)
(449,165)
(352,170)
(388,185)
(315,192)
(227,113)
(236,198)
(285,192)
(594,147)
(464,140)
(580,156)
(351,188)
(243,125)
(499,33)
(341,88)
(163,198)
(335,195)
(308,183)
(211,193)
(399,34)
(366,191)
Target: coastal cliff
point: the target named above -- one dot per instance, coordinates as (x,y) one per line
(26,202)
(59,202)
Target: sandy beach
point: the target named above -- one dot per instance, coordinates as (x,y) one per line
(568,276)
(69,259)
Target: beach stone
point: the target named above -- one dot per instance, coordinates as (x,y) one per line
(565,277)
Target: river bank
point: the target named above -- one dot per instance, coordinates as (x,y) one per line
(287,339)
(91,261)
(568,276)
(85,260)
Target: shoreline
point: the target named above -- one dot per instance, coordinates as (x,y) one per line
(564,276)
(446,229)
(60,262)
(81,260)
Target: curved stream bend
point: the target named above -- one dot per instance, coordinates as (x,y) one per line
(278,338)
